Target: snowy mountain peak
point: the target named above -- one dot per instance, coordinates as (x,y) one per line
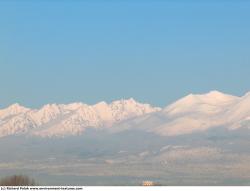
(17,107)
(48,107)
(194,112)
(203,111)
(130,101)
(208,103)
(211,96)
(73,106)
(13,109)
(215,93)
(220,96)
(101,104)
(67,119)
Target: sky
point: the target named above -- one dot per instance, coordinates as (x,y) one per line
(154,51)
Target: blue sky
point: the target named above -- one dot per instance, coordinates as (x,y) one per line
(154,51)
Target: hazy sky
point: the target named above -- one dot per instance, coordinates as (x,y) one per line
(154,51)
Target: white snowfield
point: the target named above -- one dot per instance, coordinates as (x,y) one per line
(193,113)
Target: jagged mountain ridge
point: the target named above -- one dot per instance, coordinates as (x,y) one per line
(195,113)
(190,114)
(61,119)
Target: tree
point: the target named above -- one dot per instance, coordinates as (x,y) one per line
(17,180)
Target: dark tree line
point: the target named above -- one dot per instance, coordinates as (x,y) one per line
(17,180)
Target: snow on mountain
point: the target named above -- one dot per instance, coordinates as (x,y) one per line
(12,110)
(46,113)
(196,113)
(20,123)
(210,103)
(125,109)
(193,113)
(239,114)
(71,119)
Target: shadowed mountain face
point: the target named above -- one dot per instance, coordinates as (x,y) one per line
(198,140)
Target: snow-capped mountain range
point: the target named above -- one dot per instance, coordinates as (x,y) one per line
(192,113)
(70,119)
